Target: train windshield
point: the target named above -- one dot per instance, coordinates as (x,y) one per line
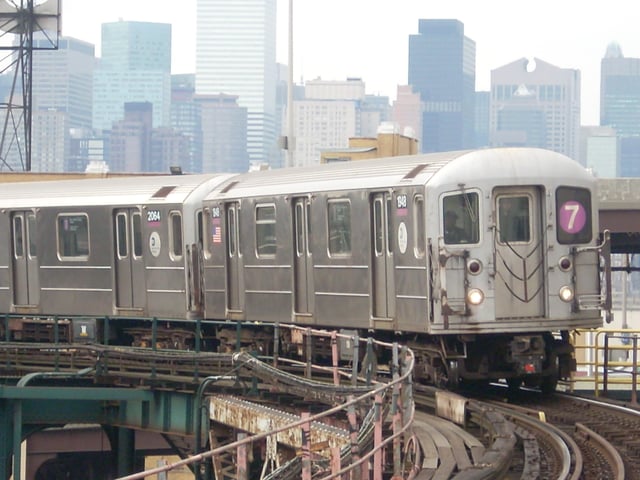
(573,215)
(514,219)
(460,218)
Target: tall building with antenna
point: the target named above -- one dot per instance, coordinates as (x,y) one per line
(236,55)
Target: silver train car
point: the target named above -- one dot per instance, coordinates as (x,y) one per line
(117,247)
(482,261)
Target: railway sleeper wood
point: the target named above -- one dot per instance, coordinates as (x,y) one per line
(531,449)
(474,445)
(446,458)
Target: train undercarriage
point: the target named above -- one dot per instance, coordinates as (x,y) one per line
(536,359)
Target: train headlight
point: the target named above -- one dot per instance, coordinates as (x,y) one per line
(475,296)
(474,266)
(566,294)
(565,264)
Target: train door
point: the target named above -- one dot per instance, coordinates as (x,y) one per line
(129,272)
(519,252)
(26,284)
(302,262)
(234,264)
(383,290)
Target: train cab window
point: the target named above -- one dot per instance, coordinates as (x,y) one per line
(514,219)
(73,236)
(573,215)
(136,227)
(18,238)
(460,218)
(266,230)
(175,236)
(339,227)
(419,237)
(31,233)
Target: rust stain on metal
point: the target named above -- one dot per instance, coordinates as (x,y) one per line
(255,418)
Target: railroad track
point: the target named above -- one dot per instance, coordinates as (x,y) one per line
(522,436)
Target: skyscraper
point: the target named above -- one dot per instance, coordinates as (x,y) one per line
(620,92)
(62,100)
(135,66)
(534,103)
(236,55)
(620,105)
(442,69)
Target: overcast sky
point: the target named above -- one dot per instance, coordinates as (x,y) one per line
(335,39)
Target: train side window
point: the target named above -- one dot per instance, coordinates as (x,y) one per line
(266,230)
(18,239)
(460,218)
(73,236)
(136,227)
(573,215)
(339,227)
(175,235)
(121,235)
(514,219)
(419,230)
(31,233)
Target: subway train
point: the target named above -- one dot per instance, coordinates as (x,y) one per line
(481,261)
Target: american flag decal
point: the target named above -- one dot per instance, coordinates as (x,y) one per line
(216,237)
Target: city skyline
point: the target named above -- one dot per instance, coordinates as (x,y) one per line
(367,39)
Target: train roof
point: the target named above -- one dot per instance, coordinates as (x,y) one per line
(105,191)
(510,166)
(382,172)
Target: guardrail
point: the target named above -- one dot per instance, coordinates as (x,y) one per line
(607,359)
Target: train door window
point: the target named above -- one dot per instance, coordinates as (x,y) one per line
(231,231)
(31,234)
(175,235)
(136,227)
(299,224)
(418,222)
(73,236)
(377,226)
(18,237)
(573,215)
(514,219)
(121,235)
(203,222)
(265,230)
(339,227)
(390,229)
(460,214)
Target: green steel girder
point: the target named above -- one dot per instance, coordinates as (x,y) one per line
(38,407)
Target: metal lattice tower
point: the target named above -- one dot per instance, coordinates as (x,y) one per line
(19,21)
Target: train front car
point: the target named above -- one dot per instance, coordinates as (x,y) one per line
(516,265)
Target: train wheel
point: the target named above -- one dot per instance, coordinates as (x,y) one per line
(548,384)
(453,380)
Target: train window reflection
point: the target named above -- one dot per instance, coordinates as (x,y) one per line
(136,226)
(339,227)
(31,234)
(514,219)
(73,236)
(121,235)
(460,218)
(266,230)
(419,230)
(18,242)
(175,235)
